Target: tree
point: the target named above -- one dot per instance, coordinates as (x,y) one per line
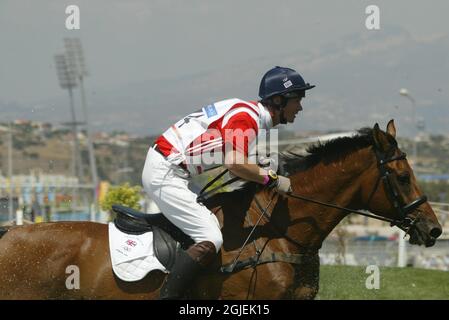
(124,195)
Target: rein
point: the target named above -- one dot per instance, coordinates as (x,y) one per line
(393,222)
(405,222)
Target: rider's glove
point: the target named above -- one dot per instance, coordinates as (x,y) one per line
(281,183)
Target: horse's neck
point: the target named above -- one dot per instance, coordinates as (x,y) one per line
(335,183)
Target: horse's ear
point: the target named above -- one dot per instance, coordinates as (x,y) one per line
(391,129)
(380,139)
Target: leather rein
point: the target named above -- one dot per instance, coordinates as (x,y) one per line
(405,222)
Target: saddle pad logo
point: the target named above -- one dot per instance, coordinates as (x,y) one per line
(131,243)
(210,110)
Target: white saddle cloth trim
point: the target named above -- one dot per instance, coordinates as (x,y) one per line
(132,255)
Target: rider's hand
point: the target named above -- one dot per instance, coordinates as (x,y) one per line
(284,185)
(281,183)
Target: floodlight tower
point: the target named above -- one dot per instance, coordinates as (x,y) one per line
(405,93)
(67,80)
(75,56)
(10,191)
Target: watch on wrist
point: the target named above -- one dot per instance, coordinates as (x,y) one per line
(273,178)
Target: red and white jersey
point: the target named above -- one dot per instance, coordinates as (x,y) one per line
(200,139)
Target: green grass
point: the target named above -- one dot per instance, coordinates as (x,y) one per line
(348,283)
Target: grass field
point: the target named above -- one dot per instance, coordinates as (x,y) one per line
(348,283)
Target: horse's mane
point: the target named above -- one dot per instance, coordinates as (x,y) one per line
(329,151)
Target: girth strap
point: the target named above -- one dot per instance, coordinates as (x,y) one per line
(262,259)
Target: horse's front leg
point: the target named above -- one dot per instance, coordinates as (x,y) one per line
(307,277)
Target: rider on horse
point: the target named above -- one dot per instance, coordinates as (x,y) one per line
(185,150)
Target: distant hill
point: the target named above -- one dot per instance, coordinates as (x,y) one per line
(115,163)
(357,77)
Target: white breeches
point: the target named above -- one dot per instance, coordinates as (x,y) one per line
(165,185)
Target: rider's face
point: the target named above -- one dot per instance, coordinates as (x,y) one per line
(291,109)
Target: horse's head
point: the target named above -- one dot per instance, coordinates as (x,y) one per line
(390,189)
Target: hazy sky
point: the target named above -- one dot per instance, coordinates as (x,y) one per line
(127,41)
(133,40)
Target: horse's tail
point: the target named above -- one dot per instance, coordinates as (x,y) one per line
(3,230)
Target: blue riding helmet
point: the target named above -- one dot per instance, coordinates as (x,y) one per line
(282,81)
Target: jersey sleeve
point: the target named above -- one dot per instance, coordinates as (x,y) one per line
(239,131)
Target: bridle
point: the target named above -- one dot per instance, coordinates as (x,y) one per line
(405,221)
(403,211)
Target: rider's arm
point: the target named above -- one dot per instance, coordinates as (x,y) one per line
(237,163)
(239,131)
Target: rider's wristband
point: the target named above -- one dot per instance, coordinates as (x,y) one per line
(266,180)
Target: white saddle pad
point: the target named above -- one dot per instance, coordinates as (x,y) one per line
(132,256)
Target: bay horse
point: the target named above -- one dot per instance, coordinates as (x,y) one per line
(281,234)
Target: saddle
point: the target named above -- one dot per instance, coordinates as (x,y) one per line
(167,238)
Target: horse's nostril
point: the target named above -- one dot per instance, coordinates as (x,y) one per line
(435,232)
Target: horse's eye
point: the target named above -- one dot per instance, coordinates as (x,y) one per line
(404,178)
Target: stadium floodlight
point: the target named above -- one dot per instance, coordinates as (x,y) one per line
(77,66)
(74,53)
(405,93)
(10,151)
(67,80)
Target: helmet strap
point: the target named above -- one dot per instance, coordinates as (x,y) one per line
(282,119)
(280,106)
